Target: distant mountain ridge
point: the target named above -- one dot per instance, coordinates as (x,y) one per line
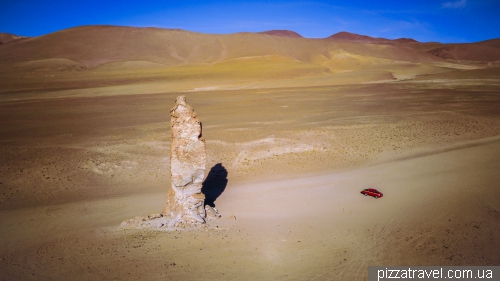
(92,46)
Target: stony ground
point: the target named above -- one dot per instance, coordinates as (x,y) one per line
(294,160)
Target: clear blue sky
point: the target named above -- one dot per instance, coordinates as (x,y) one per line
(439,20)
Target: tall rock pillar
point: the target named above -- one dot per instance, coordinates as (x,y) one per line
(185,202)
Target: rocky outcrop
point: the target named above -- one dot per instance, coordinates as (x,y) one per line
(185,202)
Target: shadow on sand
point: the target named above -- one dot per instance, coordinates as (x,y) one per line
(214,184)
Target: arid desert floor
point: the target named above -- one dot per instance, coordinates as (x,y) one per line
(286,165)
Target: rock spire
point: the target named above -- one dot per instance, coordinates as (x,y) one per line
(185,202)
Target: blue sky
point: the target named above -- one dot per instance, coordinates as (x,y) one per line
(444,21)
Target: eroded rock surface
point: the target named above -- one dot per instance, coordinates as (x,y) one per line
(185,202)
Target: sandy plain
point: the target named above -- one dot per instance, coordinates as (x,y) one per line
(287,157)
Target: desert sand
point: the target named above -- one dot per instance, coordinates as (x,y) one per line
(290,144)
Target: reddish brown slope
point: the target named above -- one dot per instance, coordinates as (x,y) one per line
(7,37)
(285,33)
(352,37)
(481,51)
(347,36)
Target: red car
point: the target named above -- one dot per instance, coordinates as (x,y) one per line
(372,192)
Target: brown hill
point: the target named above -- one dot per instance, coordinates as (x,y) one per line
(481,51)
(347,36)
(7,37)
(285,33)
(405,40)
(352,37)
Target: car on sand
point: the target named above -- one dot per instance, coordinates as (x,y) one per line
(372,192)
